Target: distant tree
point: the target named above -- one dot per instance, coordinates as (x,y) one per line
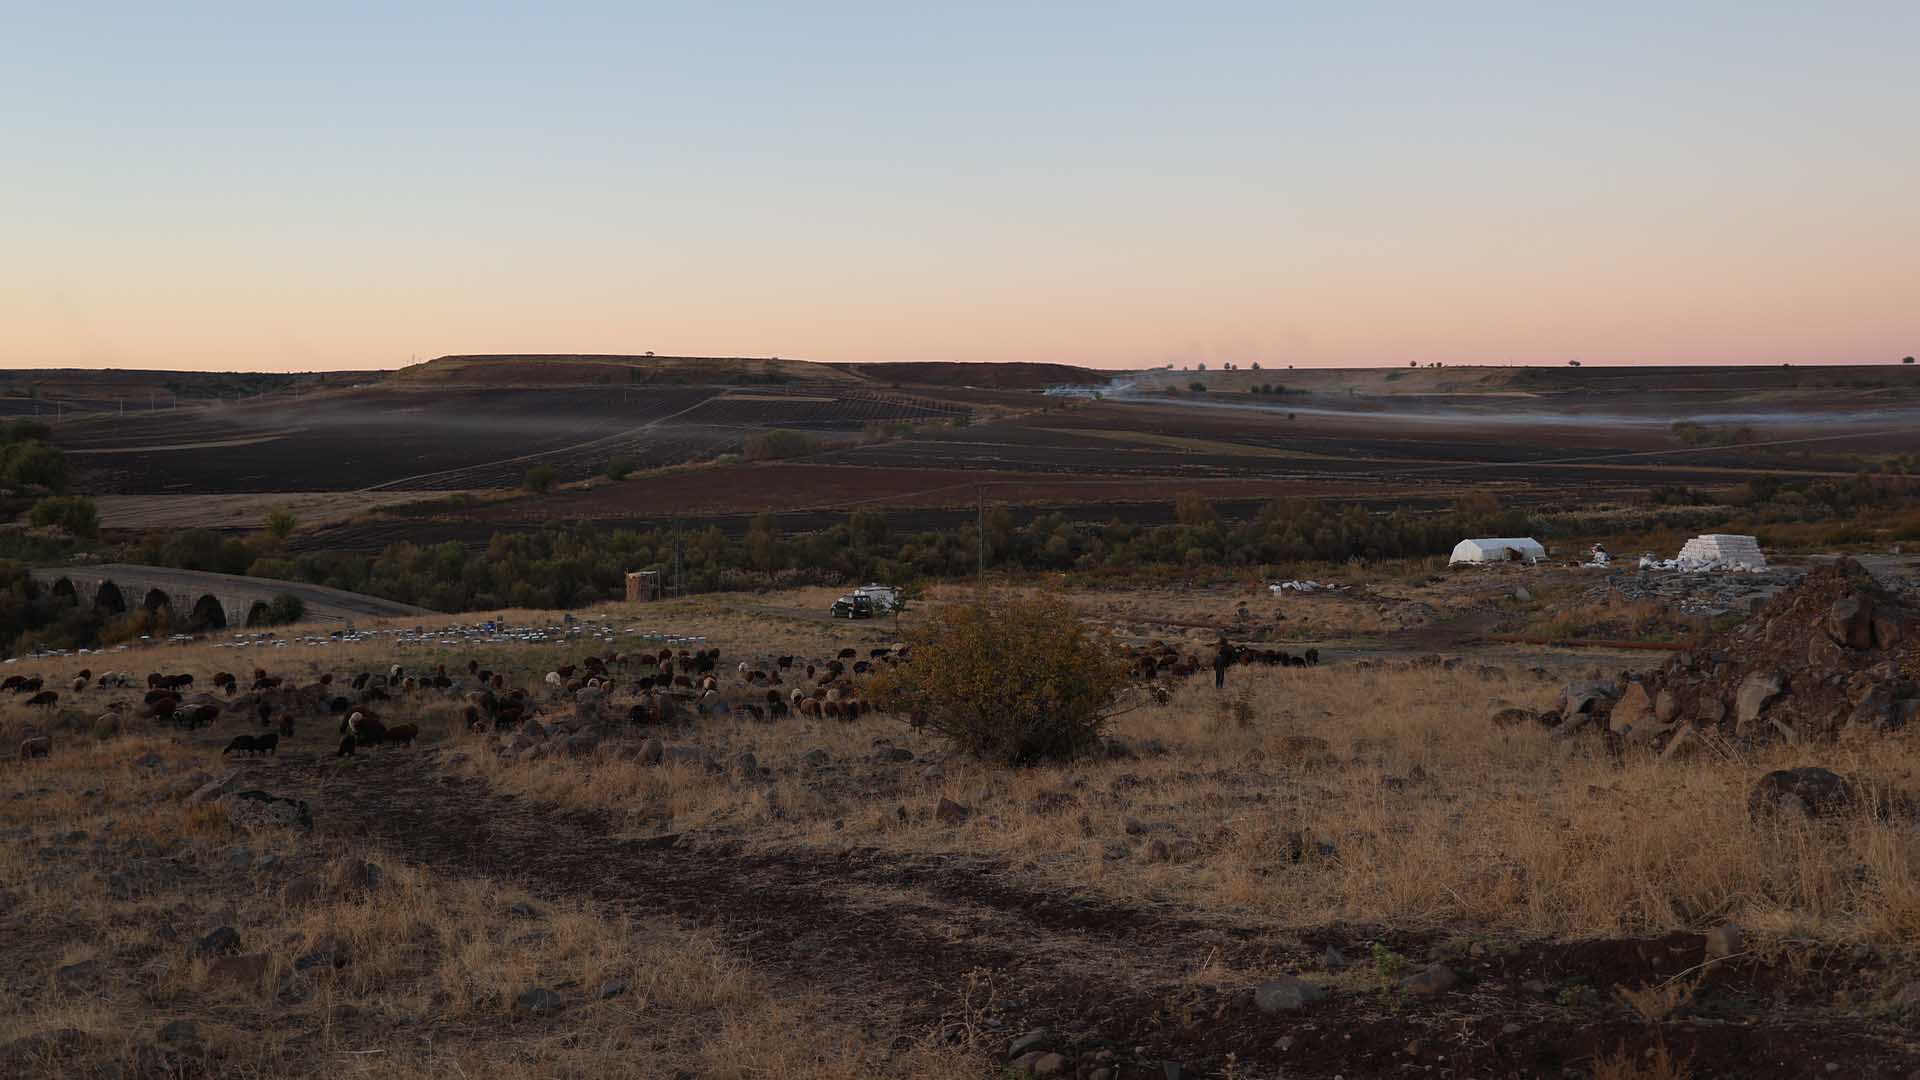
(1189,508)
(1197,386)
(1256,365)
(619,467)
(74,513)
(1908,360)
(1199,367)
(1573,363)
(280,524)
(1413,363)
(540,479)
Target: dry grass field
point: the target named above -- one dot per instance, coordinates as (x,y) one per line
(846,898)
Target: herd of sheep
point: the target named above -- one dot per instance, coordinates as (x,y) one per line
(665,687)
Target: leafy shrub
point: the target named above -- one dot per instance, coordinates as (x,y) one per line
(74,513)
(32,463)
(780,443)
(1197,386)
(619,467)
(281,523)
(1015,681)
(285,608)
(540,479)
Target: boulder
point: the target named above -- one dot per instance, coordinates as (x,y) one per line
(242,970)
(213,789)
(1286,994)
(1515,717)
(219,941)
(1666,707)
(304,889)
(1809,791)
(818,757)
(1757,691)
(538,1001)
(1886,631)
(652,751)
(582,745)
(1723,941)
(1633,710)
(949,812)
(1850,621)
(1437,979)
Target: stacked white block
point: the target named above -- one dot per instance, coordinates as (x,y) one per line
(1723,550)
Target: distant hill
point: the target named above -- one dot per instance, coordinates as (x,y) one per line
(570,369)
(1009,376)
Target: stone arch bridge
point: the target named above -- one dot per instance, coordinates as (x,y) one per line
(209,601)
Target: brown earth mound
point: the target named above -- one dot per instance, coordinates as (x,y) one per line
(1835,653)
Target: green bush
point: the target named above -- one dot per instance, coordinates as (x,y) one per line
(280,524)
(619,467)
(74,513)
(1014,681)
(540,479)
(285,608)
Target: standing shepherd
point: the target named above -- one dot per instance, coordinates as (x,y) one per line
(1222,660)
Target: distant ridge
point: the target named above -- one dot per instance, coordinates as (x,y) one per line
(1013,375)
(591,369)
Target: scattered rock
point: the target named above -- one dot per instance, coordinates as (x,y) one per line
(652,751)
(213,789)
(222,939)
(1850,622)
(239,970)
(612,988)
(1515,717)
(817,758)
(745,766)
(893,755)
(302,890)
(1633,711)
(538,1001)
(1757,691)
(1036,1039)
(1723,941)
(520,909)
(361,877)
(1286,994)
(179,1032)
(949,812)
(582,745)
(1436,979)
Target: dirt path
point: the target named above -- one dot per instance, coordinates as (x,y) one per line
(896,941)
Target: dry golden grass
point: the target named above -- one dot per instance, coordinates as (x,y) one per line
(1432,816)
(435,964)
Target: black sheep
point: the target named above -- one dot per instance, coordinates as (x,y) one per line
(346,746)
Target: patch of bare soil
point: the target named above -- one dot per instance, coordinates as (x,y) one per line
(946,943)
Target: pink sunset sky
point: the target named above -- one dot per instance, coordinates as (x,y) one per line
(224,187)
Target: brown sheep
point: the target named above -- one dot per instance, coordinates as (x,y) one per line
(286,725)
(37,746)
(404,734)
(44,699)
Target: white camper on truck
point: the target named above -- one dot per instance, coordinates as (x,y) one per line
(885,597)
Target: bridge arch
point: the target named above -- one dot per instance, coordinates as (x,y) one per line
(108,598)
(207,614)
(64,591)
(260,614)
(157,599)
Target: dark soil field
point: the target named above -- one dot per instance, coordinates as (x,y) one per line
(448,439)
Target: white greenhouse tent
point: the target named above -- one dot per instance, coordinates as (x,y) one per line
(1499,549)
